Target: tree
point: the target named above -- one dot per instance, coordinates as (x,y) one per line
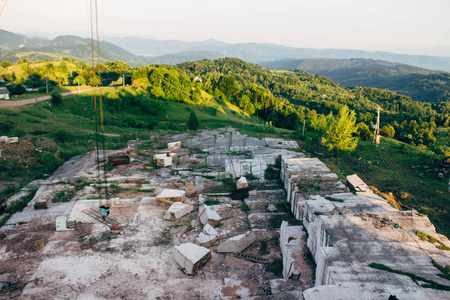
(56,98)
(193,121)
(6,64)
(79,79)
(388,131)
(340,130)
(363,131)
(16,89)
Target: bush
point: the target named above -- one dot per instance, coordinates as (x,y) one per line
(5,128)
(19,132)
(16,89)
(50,162)
(62,136)
(193,121)
(56,98)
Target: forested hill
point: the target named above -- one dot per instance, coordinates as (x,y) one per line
(418,83)
(286,98)
(281,98)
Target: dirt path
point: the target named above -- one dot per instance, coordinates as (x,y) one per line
(5,103)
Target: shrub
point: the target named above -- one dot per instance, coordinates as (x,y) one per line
(56,98)
(50,162)
(62,136)
(19,132)
(193,121)
(245,207)
(16,89)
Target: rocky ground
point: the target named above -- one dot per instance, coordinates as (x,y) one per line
(136,261)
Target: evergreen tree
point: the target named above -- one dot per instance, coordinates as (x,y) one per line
(193,121)
(339,133)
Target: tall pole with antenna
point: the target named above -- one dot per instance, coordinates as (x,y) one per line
(376,134)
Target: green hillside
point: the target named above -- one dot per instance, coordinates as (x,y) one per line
(257,101)
(418,83)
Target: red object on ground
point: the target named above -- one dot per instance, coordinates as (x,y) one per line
(115,227)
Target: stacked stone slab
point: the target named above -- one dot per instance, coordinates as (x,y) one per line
(344,245)
(191,257)
(237,243)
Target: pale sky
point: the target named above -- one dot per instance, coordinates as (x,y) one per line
(400,26)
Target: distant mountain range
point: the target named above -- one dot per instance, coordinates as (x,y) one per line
(260,53)
(16,47)
(148,51)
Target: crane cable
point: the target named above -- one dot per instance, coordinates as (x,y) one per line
(98,107)
(2,6)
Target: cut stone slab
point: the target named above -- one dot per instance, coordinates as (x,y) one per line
(237,243)
(191,191)
(174,146)
(191,257)
(177,210)
(291,249)
(242,183)
(209,216)
(169,196)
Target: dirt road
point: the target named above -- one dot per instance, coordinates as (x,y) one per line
(5,103)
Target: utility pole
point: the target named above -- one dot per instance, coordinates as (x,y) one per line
(303,131)
(46,84)
(123,79)
(376,134)
(78,86)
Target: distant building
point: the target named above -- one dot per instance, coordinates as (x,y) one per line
(198,79)
(4,93)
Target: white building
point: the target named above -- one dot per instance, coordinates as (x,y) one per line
(4,93)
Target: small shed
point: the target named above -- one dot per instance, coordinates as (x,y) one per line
(4,93)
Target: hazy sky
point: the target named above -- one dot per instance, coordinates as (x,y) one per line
(401,26)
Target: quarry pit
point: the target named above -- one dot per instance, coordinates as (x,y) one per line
(303,234)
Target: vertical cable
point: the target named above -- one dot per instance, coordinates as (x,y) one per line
(101,103)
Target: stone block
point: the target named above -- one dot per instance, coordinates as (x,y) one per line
(206,240)
(177,210)
(174,156)
(12,140)
(158,156)
(174,146)
(191,257)
(207,237)
(209,216)
(191,191)
(169,196)
(242,183)
(164,162)
(237,243)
